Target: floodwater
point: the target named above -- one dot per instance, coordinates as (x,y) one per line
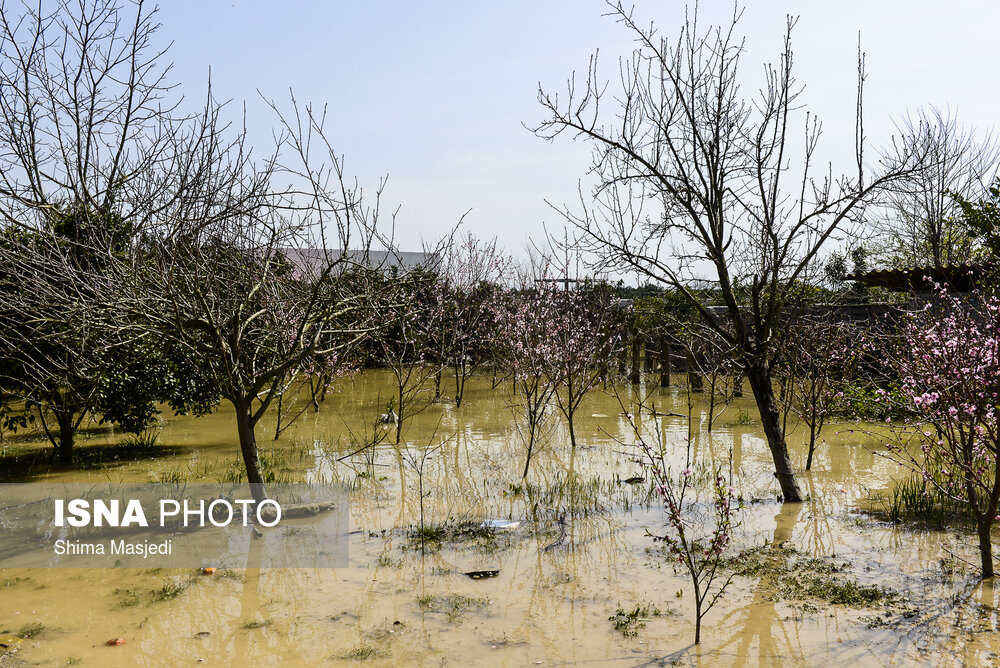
(550,605)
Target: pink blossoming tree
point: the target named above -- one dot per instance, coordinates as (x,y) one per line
(947,362)
(526,346)
(581,324)
(698,533)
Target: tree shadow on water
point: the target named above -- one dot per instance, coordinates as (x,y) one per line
(28,464)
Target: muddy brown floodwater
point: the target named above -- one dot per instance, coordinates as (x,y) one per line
(568,605)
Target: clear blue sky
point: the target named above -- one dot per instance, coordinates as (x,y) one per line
(434,94)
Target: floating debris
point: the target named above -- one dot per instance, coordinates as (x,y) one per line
(115,642)
(501,525)
(598,415)
(208,571)
(9,645)
(201,634)
(634,480)
(482,575)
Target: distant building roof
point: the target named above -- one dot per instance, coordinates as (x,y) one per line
(959,277)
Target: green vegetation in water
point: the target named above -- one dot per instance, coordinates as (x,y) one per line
(918,500)
(833,590)
(950,567)
(146,439)
(581,497)
(230,574)
(433,536)
(629,622)
(863,402)
(278,464)
(168,591)
(452,605)
(502,641)
(387,561)
(128,598)
(29,460)
(790,576)
(385,631)
(362,653)
(743,419)
(175,475)
(31,630)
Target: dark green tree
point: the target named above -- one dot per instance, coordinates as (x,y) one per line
(982,219)
(57,355)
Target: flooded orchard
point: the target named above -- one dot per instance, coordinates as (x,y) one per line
(564,570)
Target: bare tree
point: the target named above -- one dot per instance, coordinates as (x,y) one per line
(318,373)
(715,165)
(819,357)
(257,282)
(921,222)
(88,120)
(710,358)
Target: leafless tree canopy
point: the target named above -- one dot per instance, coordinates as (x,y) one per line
(920,223)
(87,114)
(695,175)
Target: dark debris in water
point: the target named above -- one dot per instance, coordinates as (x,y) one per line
(482,575)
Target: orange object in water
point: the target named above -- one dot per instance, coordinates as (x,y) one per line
(207,571)
(115,641)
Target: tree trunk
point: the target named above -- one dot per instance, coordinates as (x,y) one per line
(399,417)
(634,377)
(531,447)
(315,388)
(533,411)
(248,448)
(67,434)
(277,421)
(763,392)
(664,362)
(812,445)
(986,547)
(711,400)
(459,384)
(694,379)
(697,610)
